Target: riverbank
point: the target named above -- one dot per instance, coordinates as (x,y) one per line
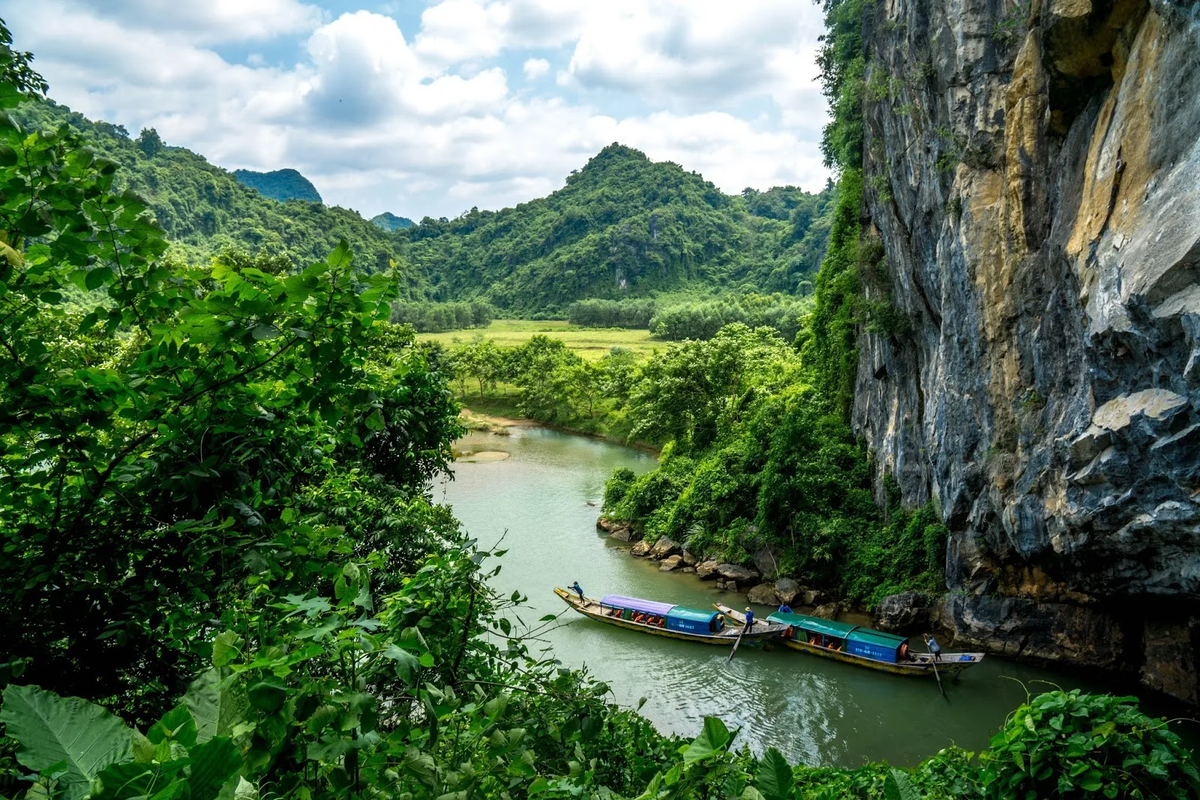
(487,419)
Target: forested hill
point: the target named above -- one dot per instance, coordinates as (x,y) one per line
(281,185)
(623,226)
(205,209)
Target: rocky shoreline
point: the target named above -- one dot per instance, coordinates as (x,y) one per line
(760,590)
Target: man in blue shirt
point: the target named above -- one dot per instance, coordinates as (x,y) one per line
(577,589)
(749,619)
(933,646)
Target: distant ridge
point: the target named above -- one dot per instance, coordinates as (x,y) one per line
(281,185)
(390,222)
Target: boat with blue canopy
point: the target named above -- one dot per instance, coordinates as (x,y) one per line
(854,644)
(671,621)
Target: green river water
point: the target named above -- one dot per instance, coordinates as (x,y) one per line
(544,498)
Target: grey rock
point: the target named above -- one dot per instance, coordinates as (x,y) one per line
(669,563)
(1043,249)
(763,594)
(828,611)
(787,589)
(810,597)
(904,612)
(626,535)
(707,569)
(688,570)
(641,549)
(690,559)
(664,547)
(766,562)
(736,573)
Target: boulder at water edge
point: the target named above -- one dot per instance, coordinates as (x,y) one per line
(707,569)
(640,549)
(670,563)
(828,611)
(903,612)
(763,594)
(786,589)
(664,547)
(739,574)
(690,559)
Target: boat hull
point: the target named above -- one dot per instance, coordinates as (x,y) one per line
(921,665)
(591,608)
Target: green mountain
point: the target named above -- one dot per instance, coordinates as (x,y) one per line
(281,185)
(204,209)
(390,222)
(622,226)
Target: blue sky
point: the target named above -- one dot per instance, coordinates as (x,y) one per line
(430,107)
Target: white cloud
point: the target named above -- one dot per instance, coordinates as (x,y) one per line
(210,20)
(536,68)
(425,123)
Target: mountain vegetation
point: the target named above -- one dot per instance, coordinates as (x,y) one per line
(390,222)
(224,576)
(281,185)
(622,227)
(205,211)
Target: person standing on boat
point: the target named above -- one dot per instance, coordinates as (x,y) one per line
(749,619)
(933,646)
(577,589)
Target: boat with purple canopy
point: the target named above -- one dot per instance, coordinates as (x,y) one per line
(671,621)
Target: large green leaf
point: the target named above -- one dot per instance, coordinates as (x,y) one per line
(132,779)
(897,786)
(213,764)
(774,777)
(714,737)
(217,708)
(70,730)
(178,725)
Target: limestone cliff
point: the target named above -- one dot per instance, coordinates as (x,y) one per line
(1033,173)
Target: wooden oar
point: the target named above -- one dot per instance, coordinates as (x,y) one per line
(733,652)
(933,660)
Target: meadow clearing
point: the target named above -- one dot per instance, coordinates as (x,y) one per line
(589,343)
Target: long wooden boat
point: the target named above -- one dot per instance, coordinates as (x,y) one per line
(671,621)
(853,644)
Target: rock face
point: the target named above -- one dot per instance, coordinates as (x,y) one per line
(641,549)
(1034,179)
(707,569)
(621,531)
(905,612)
(670,563)
(828,611)
(763,594)
(786,590)
(664,547)
(738,574)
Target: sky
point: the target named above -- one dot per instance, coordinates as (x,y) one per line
(431,107)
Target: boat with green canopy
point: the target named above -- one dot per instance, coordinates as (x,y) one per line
(854,644)
(671,621)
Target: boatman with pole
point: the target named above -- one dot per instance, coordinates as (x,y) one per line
(933,646)
(577,588)
(749,619)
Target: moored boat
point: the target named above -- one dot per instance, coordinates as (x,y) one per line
(671,621)
(854,644)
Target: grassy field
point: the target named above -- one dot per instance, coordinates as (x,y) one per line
(590,343)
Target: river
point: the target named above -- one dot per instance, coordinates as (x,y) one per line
(544,498)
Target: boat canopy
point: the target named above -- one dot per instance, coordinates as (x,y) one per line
(863,642)
(691,620)
(634,604)
(826,627)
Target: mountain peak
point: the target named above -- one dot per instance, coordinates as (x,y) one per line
(281,184)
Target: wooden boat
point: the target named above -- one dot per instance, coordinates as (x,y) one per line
(671,621)
(853,644)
